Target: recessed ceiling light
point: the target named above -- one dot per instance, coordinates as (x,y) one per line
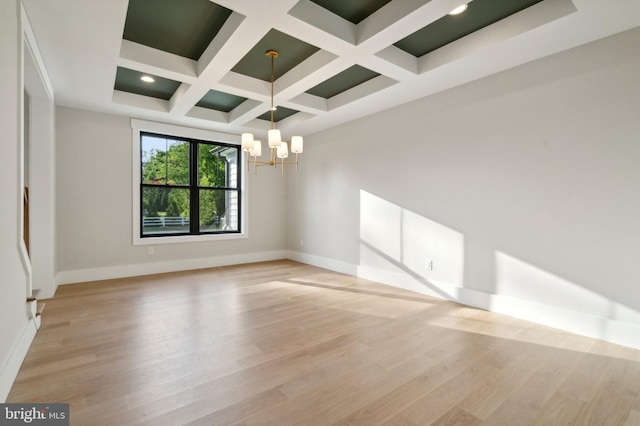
(458,10)
(147,79)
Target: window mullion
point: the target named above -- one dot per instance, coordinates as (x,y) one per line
(194,211)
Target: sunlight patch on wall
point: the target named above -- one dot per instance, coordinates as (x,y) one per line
(521,280)
(381,226)
(426,254)
(424,240)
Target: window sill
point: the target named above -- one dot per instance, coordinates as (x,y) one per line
(137,241)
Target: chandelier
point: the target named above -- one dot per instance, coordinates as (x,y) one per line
(278,148)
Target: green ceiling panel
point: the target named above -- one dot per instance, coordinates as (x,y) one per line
(352,11)
(479,14)
(129,81)
(220,101)
(181,27)
(279,114)
(343,81)
(291,51)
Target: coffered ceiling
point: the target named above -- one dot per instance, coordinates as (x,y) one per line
(338,59)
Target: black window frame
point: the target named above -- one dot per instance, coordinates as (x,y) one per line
(193,187)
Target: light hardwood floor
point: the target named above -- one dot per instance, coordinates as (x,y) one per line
(282,343)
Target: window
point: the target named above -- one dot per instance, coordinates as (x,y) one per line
(188,188)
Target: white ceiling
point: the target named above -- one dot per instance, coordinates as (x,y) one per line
(81,43)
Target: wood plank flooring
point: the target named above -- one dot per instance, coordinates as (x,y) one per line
(282,343)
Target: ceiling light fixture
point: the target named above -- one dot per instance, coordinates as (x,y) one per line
(458,10)
(147,79)
(278,147)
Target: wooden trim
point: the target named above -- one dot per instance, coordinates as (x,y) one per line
(40,308)
(25,213)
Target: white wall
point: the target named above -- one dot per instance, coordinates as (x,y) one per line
(16,330)
(94,208)
(523,189)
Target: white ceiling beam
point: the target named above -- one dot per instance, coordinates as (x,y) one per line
(81,44)
(153,61)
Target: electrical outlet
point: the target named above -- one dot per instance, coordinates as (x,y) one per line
(429,265)
(301,243)
(150,251)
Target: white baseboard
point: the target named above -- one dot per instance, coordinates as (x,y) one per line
(615,331)
(12,363)
(323,262)
(123,271)
(598,327)
(611,330)
(408,282)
